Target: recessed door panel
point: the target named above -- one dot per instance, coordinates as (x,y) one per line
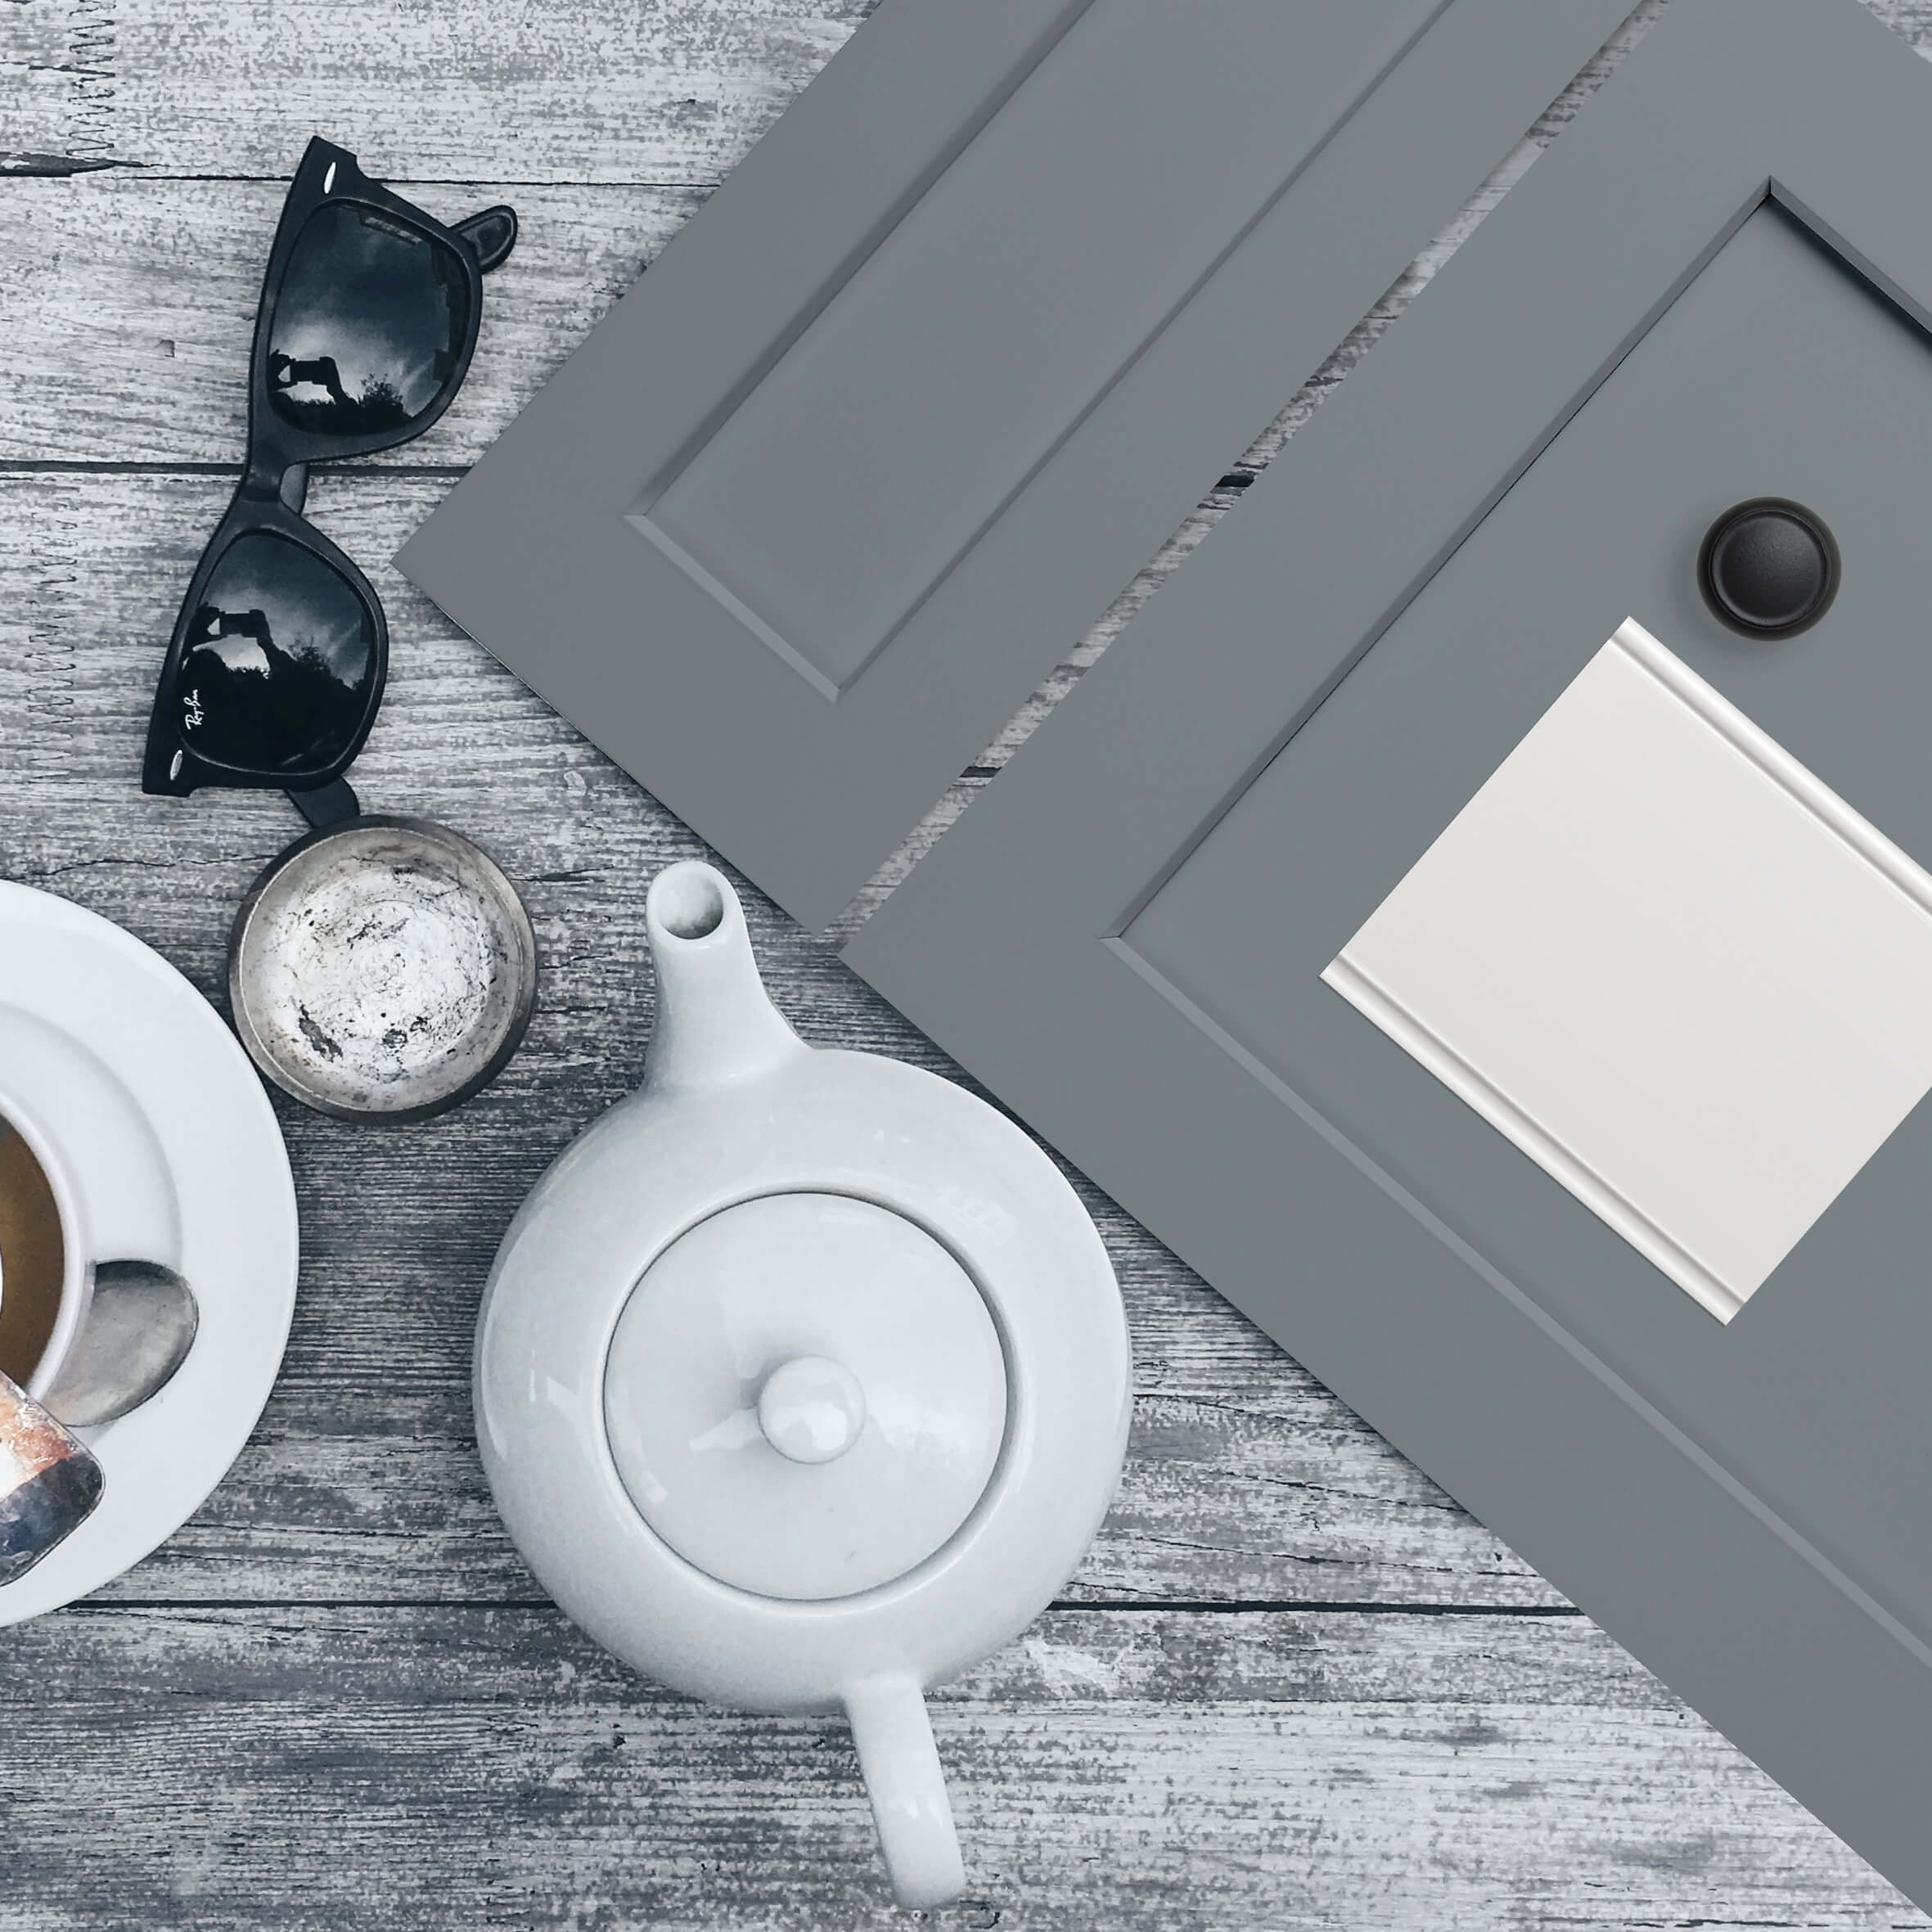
(1068,232)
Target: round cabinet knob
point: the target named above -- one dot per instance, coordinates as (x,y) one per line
(811,1408)
(1768,568)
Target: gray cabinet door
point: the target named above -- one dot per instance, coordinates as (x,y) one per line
(1715,289)
(949,357)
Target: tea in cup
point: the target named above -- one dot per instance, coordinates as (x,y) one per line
(32,1258)
(49,1483)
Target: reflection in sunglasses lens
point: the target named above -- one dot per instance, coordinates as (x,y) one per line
(368,324)
(279,665)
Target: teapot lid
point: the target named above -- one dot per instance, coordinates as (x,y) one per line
(805,1395)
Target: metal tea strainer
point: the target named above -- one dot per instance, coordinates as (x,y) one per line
(381,969)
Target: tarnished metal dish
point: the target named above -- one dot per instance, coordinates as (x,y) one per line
(382,969)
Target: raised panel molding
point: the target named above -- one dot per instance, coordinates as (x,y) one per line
(1039,265)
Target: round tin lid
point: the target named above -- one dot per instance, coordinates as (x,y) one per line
(805,1395)
(382,968)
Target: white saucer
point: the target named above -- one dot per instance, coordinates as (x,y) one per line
(172,1051)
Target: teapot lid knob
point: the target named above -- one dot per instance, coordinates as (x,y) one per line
(811,1408)
(805,1395)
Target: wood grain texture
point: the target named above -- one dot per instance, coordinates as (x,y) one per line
(129,302)
(587,90)
(1292,1684)
(438,1767)
(628,91)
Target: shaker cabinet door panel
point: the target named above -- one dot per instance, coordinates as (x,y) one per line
(1244,930)
(1524,1013)
(946,361)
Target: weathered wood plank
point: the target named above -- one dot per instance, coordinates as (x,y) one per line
(580,90)
(126,298)
(443,1767)
(349,1494)
(53,82)
(1247,1482)
(674,91)
(157,281)
(129,303)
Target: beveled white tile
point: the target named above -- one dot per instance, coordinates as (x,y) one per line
(1671,964)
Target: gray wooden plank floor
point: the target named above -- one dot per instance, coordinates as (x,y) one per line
(1292,1686)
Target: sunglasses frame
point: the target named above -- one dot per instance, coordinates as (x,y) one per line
(274,481)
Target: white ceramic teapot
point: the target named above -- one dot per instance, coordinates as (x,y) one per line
(802,1378)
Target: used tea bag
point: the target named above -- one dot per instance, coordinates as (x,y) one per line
(49,1483)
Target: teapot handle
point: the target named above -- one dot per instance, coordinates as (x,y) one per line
(901,1765)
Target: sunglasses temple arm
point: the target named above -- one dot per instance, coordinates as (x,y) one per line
(492,233)
(329,804)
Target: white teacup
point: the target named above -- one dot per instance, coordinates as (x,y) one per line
(32,1258)
(124,1319)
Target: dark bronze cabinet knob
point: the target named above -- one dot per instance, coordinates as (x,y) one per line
(1768,568)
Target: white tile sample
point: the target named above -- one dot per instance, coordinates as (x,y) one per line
(1673,966)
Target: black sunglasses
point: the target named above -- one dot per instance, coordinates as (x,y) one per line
(368,318)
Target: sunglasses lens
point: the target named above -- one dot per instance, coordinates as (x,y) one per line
(279,662)
(368,325)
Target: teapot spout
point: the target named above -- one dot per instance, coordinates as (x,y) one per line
(715,1022)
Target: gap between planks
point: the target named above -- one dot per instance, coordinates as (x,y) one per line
(247,1609)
